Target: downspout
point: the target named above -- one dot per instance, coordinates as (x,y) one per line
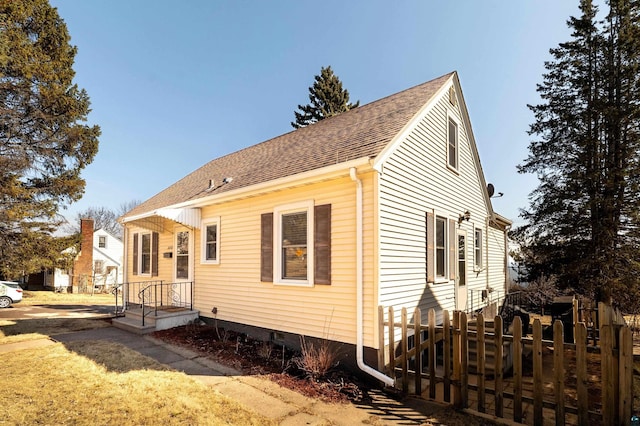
(125,266)
(506,258)
(360,288)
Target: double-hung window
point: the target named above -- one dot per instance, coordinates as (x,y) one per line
(452,144)
(477,245)
(211,241)
(296,244)
(145,253)
(292,249)
(98,266)
(441,247)
(102,241)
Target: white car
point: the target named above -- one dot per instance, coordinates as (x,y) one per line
(10,292)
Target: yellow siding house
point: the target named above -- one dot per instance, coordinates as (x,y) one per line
(307,233)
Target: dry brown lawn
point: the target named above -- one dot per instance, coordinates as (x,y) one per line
(51,298)
(12,331)
(107,383)
(98,382)
(37,328)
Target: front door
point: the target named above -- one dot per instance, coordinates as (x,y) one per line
(181,287)
(461,273)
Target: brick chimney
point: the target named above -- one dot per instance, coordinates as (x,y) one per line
(83,267)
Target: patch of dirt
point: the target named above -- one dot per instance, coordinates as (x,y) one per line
(278,363)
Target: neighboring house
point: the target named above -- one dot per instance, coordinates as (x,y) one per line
(99,262)
(307,233)
(107,259)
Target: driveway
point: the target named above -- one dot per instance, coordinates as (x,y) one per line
(18,311)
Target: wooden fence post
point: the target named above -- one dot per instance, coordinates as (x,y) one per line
(558,371)
(608,395)
(405,349)
(464,360)
(480,358)
(498,373)
(581,374)
(537,373)
(417,332)
(446,335)
(381,363)
(392,343)
(626,376)
(576,318)
(517,369)
(457,396)
(431,318)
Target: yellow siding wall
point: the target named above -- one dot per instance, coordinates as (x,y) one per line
(234,286)
(165,243)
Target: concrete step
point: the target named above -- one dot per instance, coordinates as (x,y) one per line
(133,325)
(166,318)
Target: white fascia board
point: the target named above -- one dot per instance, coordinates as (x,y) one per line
(408,128)
(287,182)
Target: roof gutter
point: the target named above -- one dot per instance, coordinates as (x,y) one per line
(389,381)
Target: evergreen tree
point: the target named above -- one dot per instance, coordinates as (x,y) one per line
(582,224)
(327,98)
(44,143)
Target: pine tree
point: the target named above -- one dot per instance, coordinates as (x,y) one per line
(327,98)
(582,223)
(44,143)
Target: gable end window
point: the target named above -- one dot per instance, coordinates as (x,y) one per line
(211,241)
(452,144)
(296,245)
(102,241)
(145,253)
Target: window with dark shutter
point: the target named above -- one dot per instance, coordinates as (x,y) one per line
(430,247)
(322,244)
(135,254)
(266,247)
(155,243)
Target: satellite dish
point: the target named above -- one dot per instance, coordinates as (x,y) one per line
(490,189)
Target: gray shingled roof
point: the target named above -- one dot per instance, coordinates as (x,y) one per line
(361,132)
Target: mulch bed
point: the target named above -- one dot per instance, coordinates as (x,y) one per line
(254,357)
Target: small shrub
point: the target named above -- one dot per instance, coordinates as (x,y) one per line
(265,349)
(316,360)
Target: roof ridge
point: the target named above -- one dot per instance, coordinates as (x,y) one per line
(360,132)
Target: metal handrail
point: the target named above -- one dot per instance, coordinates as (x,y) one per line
(169,292)
(507,310)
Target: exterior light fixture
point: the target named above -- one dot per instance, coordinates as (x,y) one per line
(466,216)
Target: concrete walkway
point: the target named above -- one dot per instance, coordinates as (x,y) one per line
(284,406)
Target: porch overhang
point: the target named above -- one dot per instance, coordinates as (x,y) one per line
(153,220)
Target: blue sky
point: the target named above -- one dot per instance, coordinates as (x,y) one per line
(173,87)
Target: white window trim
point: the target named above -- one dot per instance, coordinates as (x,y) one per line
(478,267)
(203,257)
(439,279)
(190,249)
(304,206)
(105,241)
(451,117)
(140,273)
(465,255)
